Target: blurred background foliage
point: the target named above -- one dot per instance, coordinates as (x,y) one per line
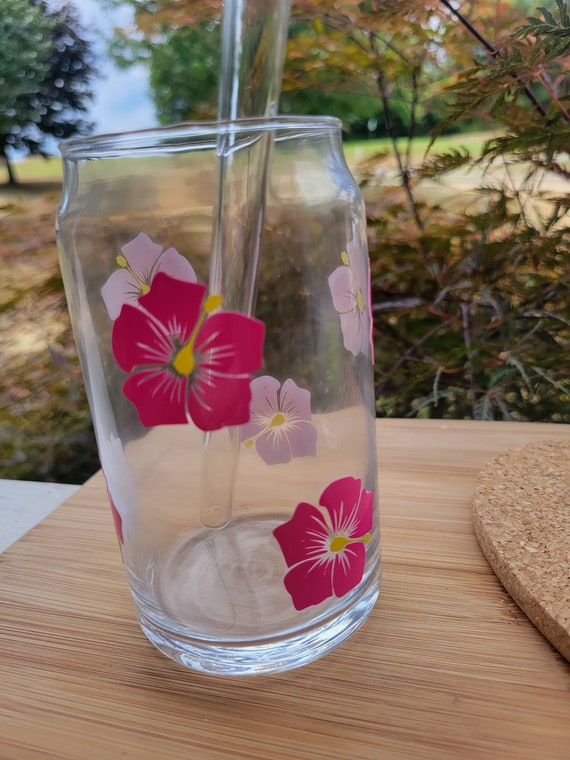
(46,70)
(469,246)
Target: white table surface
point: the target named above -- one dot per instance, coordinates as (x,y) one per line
(24,504)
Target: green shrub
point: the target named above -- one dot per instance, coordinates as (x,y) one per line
(472,298)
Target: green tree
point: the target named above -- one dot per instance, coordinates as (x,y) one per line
(24,53)
(331,65)
(46,67)
(352,59)
(183,63)
(471,301)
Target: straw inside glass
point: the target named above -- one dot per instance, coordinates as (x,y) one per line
(254,37)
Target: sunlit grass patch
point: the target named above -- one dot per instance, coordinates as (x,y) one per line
(357,151)
(38,168)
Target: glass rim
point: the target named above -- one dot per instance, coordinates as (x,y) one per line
(177,135)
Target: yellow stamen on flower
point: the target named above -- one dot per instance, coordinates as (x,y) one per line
(213,302)
(339,542)
(277,419)
(124,264)
(184,360)
(359,296)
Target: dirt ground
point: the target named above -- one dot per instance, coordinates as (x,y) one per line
(45,430)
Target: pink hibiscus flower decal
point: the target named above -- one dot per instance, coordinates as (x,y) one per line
(187,363)
(280,421)
(325,548)
(350,289)
(140,261)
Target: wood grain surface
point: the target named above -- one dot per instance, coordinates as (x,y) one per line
(447,666)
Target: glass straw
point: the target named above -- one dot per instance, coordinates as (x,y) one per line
(254,38)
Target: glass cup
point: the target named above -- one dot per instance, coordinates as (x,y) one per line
(218,283)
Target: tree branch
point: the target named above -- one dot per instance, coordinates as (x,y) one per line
(494,53)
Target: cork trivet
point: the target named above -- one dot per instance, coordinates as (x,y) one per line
(521,515)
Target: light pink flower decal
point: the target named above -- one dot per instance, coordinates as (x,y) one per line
(120,486)
(117,520)
(280,421)
(325,547)
(187,363)
(350,289)
(140,261)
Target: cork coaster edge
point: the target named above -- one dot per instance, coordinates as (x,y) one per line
(547,482)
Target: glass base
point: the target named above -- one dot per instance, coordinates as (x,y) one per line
(227,659)
(219,605)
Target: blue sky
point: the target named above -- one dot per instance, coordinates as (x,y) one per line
(121,97)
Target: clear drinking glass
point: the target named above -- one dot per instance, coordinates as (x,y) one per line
(227,356)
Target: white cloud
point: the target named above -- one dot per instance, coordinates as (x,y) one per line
(121,102)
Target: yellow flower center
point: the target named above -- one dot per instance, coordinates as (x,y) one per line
(360,301)
(277,419)
(339,542)
(184,361)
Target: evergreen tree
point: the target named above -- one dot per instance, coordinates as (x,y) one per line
(46,67)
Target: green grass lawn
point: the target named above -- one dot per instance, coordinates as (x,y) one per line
(37,168)
(359,150)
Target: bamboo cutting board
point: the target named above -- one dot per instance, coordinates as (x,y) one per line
(446,668)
